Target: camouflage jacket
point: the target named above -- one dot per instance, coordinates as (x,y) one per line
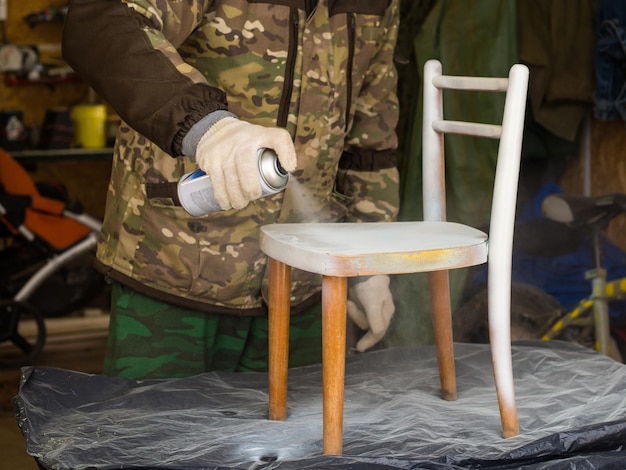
(325,72)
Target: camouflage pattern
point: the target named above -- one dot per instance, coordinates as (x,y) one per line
(149,339)
(339,98)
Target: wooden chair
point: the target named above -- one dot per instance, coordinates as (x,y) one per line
(338,251)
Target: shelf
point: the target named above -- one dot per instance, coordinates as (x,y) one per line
(17,80)
(33,156)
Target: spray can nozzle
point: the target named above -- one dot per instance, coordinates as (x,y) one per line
(279,168)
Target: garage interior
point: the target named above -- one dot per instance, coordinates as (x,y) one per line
(567,392)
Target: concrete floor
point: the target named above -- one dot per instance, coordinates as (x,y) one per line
(12,447)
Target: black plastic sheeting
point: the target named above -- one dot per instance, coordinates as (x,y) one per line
(571,404)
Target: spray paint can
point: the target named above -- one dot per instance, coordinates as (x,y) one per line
(195,190)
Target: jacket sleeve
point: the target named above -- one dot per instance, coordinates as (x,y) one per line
(368,173)
(126,51)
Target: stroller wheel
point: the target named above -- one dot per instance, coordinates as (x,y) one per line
(23,351)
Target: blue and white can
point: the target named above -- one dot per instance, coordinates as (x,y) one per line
(195,190)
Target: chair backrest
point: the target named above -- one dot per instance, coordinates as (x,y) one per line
(509,133)
(435,126)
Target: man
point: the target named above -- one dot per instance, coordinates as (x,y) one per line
(206,84)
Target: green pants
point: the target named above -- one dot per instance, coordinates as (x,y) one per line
(152,339)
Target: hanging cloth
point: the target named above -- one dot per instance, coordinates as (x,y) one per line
(556,42)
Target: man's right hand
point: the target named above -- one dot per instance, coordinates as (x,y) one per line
(227,153)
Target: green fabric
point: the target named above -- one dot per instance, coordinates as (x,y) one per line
(469,37)
(152,339)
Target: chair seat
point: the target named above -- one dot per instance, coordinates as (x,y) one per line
(363,249)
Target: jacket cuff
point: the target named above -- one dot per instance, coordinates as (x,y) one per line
(193,136)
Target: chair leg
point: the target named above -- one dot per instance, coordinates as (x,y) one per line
(506,399)
(278,338)
(501,358)
(334,297)
(439,288)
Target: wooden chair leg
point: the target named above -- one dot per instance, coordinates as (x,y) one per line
(334,297)
(439,288)
(278,338)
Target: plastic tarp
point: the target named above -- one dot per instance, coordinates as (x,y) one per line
(571,405)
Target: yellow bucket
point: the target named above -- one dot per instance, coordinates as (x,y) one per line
(89,125)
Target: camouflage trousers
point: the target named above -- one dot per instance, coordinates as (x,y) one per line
(152,339)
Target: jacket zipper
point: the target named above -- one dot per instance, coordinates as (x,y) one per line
(285,99)
(351,35)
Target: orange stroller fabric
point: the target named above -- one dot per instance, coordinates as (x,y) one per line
(45,216)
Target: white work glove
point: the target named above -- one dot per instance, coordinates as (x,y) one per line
(227,153)
(370,307)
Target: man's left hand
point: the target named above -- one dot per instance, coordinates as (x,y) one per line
(371,307)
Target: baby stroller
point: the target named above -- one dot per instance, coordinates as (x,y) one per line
(46,253)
